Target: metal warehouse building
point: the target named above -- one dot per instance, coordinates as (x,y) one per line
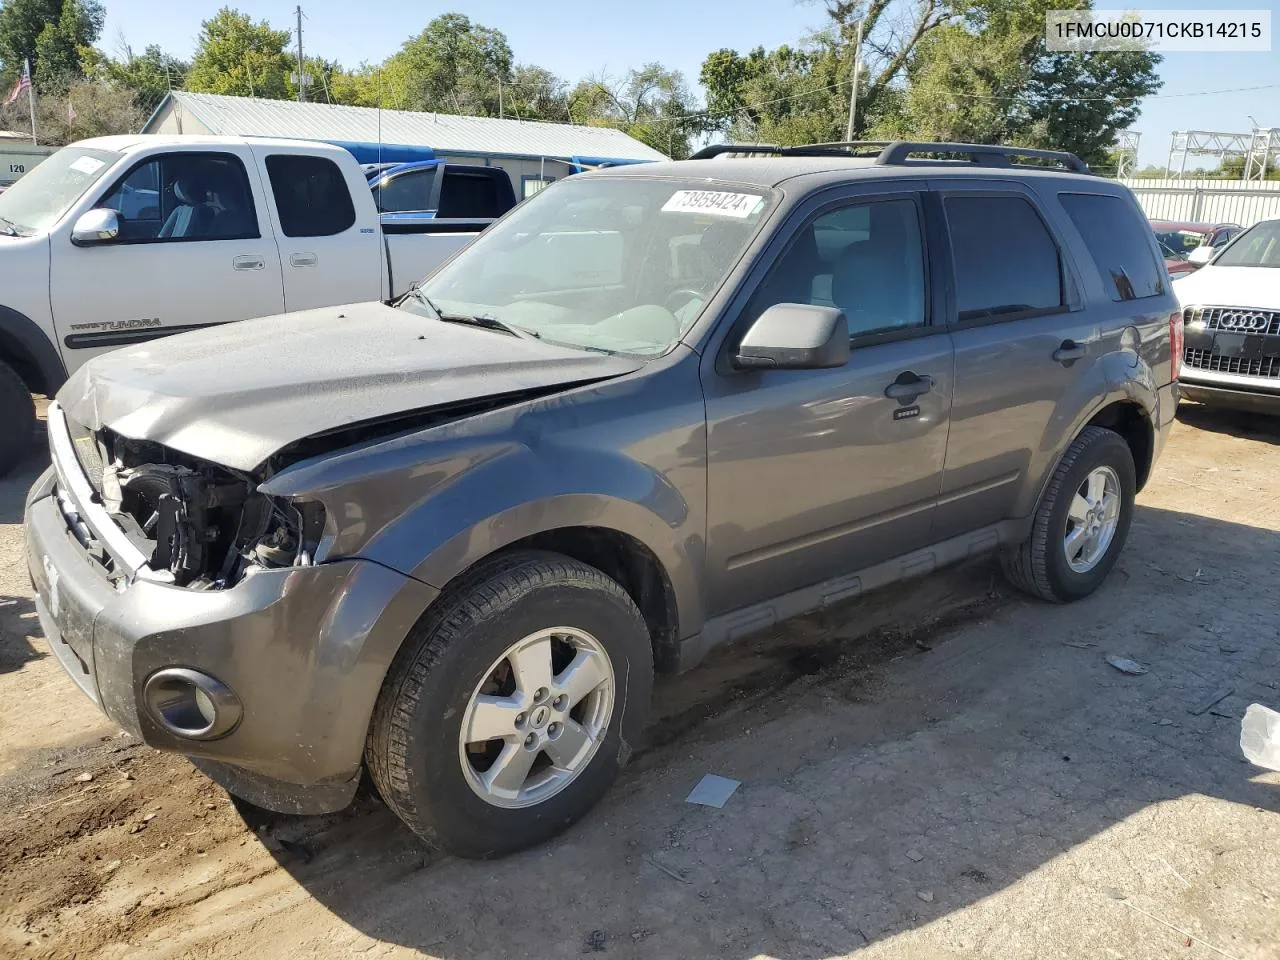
(533,153)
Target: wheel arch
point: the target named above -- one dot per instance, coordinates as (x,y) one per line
(622,555)
(28,349)
(1129,419)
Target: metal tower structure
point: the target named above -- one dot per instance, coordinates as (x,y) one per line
(1127,153)
(1260,150)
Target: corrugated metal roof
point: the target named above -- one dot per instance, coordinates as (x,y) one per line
(256,117)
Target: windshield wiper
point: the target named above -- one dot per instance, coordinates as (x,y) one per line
(486,321)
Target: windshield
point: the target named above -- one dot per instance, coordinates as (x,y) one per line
(1259,246)
(38,201)
(1179,243)
(622,265)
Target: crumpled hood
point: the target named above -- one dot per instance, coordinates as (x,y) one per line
(237,393)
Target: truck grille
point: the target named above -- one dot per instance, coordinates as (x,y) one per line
(1257,367)
(1235,319)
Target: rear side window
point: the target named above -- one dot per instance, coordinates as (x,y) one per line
(405,192)
(469,195)
(1119,243)
(311,196)
(1005,260)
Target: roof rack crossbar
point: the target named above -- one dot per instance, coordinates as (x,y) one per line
(994,156)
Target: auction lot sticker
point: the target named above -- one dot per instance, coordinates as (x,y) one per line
(717,203)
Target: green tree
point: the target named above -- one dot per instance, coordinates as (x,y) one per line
(801,94)
(236,56)
(50,34)
(452,66)
(147,76)
(652,104)
(986,77)
(535,93)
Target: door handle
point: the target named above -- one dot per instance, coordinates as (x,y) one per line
(249,263)
(303,259)
(1069,352)
(908,386)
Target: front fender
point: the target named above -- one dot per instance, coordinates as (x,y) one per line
(628,456)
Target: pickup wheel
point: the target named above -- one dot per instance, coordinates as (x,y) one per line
(1081,523)
(18,414)
(512,705)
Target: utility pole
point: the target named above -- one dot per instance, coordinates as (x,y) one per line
(500,98)
(302,67)
(853,93)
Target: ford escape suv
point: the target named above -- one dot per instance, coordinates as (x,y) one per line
(652,410)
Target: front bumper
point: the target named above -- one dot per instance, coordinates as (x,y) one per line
(1247,398)
(305,649)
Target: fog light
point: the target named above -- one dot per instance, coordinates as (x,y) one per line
(191,704)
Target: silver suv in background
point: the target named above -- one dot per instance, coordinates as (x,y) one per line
(650,411)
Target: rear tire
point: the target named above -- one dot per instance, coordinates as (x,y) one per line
(1050,564)
(17,418)
(442,683)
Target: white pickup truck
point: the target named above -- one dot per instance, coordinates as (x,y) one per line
(119,240)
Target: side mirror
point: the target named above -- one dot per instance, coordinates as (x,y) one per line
(1202,254)
(96,226)
(795,336)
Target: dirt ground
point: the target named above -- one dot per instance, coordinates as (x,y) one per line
(944,770)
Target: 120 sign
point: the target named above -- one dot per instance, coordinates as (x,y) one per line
(17,168)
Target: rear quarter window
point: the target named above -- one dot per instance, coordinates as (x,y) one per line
(311,194)
(1119,243)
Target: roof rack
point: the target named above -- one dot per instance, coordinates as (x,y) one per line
(898,152)
(986,155)
(834,149)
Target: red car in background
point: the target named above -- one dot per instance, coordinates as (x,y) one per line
(1177,238)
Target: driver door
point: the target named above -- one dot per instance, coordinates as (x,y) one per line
(194,249)
(813,474)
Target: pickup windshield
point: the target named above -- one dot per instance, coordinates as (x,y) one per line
(622,265)
(1259,246)
(38,201)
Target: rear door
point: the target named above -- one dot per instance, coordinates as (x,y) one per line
(330,246)
(814,473)
(195,248)
(1027,350)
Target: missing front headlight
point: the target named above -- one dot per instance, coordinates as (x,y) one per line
(292,536)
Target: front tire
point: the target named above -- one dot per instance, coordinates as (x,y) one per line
(512,705)
(1081,523)
(17,416)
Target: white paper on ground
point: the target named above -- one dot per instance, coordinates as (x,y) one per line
(712,791)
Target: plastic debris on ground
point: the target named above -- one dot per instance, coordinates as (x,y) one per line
(1125,665)
(1260,736)
(712,791)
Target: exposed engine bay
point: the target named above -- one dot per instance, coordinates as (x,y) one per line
(202,523)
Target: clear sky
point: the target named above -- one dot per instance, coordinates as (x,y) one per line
(611,36)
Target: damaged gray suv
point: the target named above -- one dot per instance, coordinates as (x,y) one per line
(654,409)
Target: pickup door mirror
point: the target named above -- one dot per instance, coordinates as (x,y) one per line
(96,226)
(1202,254)
(795,336)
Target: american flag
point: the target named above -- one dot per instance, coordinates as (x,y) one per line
(24,83)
